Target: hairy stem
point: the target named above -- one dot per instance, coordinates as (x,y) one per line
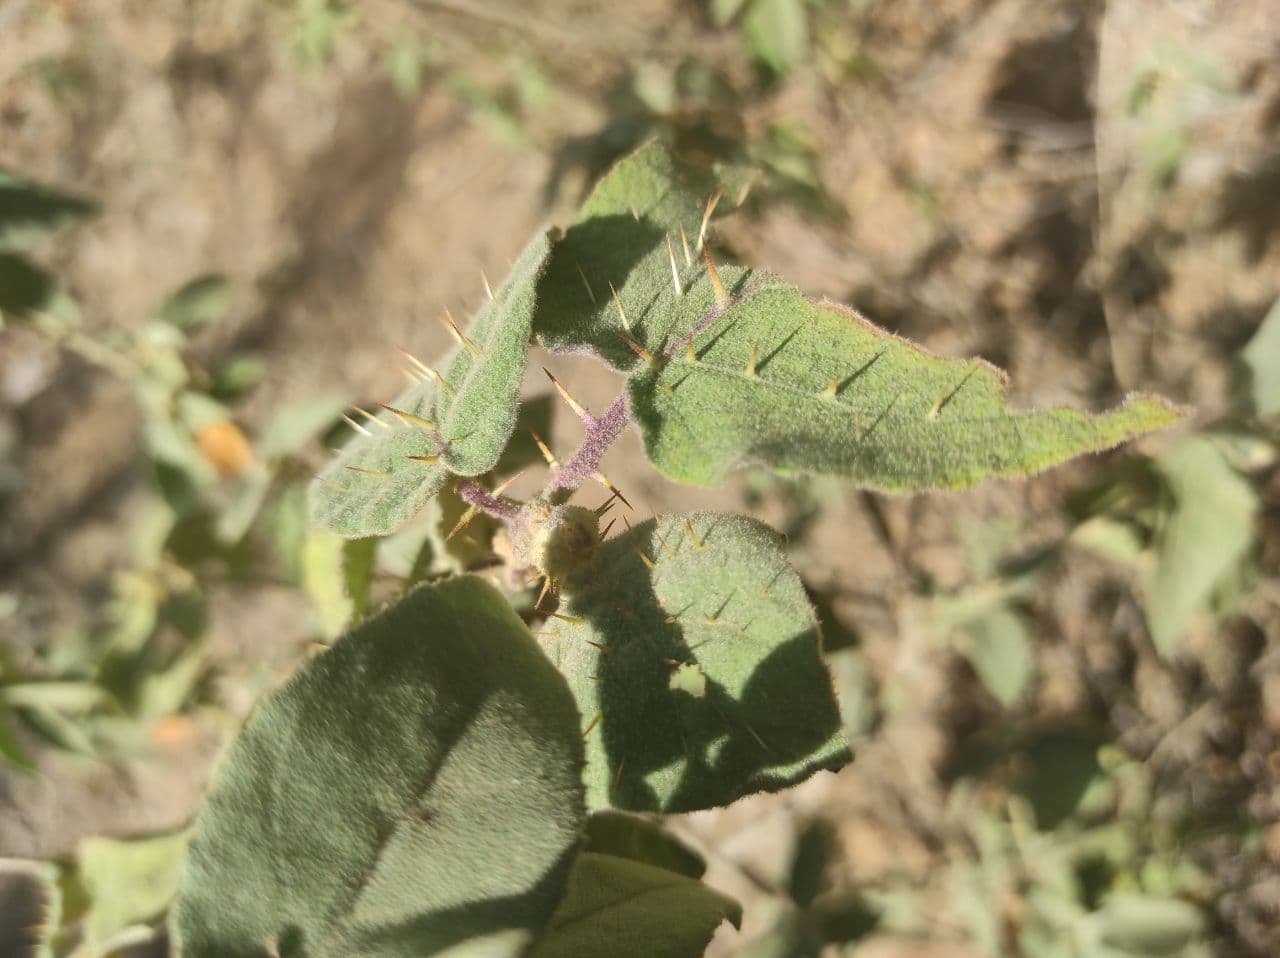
(585,464)
(473,494)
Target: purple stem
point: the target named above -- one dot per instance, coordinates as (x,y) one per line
(601,434)
(476,495)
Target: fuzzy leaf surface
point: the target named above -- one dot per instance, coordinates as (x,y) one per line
(898,418)
(620,239)
(629,836)
(719,604)
(620,908)
(372,487)
(31,211)
(415,788)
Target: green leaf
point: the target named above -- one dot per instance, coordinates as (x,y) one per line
(1150,926)
(618,908)
(27,293)
(29,212)
(999,649)
(801,386)
(128,883)
(413,789)
(626,836)
(719,599)
(619,242)
(777,33)
(722,11)
(1261,358)
(372,487)
(296,424)
(201,302)
(1208,531)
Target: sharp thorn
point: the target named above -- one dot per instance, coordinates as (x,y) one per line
(639,350)
(592,724)
(467,516)
(675,273)
(621,312)
(649,563)
(408,418)
(684,242)
(635,214)
(429,460)
(601,478)
(603,649)
(459,336)
(371,417)
(832,389)
(717,284)
(604,535)
(487,288)
(564,394)
(586,284)
(440,381)
(505,484)
(752,360)
(626,522)
(355,425)
(744,192)
(370,472)
(693,536)
(663,542)
(690,354)
(418,364)
(417,379)
(547,454)
(607,504)
(546,588)
(571,619)
(706,218)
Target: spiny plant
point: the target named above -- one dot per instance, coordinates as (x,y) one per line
(444,780)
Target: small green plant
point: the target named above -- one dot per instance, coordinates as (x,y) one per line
(444,780)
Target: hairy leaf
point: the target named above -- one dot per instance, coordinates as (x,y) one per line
(801,386)
(628,836)
(128,883)
(619,242)
(694,656)
(1208,530)
(30,211)
(413,789)
(460,423)
(620,908)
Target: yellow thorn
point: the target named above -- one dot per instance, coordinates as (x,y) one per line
(592,724)
(663,542)
(415,379)
(639,350)
(487,288)
(355,425)
(693,536)
(746,188)
(440,381)
(832,389)
(717,284)
(452,325)
(590,292)
(418,364)
(626,522)
(690,354)
(408,418)
(371,417)
(605,533)
(429,460)
(571,619)
(675,273)
(505,484)
(635,214)
(547,454)
(546,633)
(621,312)
(604,649)
(546,587)
(370,472)
(752,360)
(467,516)
(706,218)
(649,563)
(684,242)
(601,478)
(564,394)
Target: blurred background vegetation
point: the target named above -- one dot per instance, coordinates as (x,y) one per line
(1063,694)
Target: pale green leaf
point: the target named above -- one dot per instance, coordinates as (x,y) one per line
(296,424)
(1207,532)
(1261,359)
(800,386)
(998,647)
(777,33)
(372,487)
(435,806)
(722,11)
(619,243)
(1150,926)
(128,883)
(201,302)
(719,598)
(30,211)
(619,908)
